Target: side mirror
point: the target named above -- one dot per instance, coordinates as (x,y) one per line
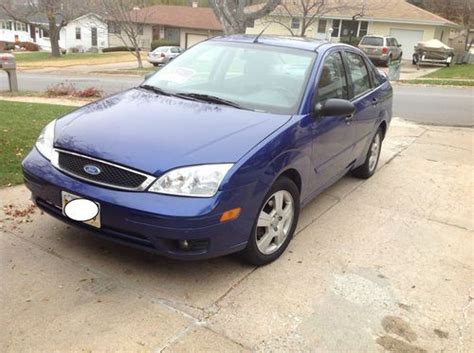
(399,45)
(334,107)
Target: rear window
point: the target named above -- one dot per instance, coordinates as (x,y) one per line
(374,41)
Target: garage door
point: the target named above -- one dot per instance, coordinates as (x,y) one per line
(408,39)
(192,39)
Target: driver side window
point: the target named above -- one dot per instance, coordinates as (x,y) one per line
(333,82)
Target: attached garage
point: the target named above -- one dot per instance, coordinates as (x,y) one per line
(194,38)
(408,39)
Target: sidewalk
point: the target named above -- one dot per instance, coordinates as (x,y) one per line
(379,265)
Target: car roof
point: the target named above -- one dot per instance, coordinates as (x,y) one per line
(277,41)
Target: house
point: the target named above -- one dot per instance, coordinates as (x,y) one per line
(82,33)
(183,25)
(398,18)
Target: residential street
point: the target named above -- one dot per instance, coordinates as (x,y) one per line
(379,265)
(424,104)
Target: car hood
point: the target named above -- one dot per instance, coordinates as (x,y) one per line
(154,133)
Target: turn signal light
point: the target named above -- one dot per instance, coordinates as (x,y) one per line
(230,215)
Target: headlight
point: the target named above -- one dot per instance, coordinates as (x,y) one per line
(197,181)
(44,144)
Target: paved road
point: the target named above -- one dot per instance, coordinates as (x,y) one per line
(435,105)
(428,105)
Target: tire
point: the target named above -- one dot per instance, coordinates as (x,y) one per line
(155,64)
(272,232)
(366,170)
(388,62)
(415,59)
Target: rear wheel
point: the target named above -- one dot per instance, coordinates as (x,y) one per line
(367,169)
(275,223)
(389,61)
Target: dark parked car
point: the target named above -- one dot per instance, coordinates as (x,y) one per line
(218,151)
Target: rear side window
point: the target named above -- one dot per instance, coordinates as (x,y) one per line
(332,83)
(175,50)
(373,41)
(359,74)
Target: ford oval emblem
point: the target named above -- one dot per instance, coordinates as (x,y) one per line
(92,169)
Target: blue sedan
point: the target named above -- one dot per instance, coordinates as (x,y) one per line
(217,152)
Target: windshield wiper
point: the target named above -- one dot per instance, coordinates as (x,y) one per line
(209,98)
(155,89)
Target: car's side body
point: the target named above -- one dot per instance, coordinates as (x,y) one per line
(312,151)
(163,55)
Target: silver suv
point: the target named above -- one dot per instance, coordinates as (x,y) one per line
(163,55)
(381,49)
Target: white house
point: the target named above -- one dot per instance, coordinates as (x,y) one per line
(82,33)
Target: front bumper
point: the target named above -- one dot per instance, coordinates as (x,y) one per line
(150,221)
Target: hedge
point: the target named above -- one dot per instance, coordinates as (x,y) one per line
(122,48)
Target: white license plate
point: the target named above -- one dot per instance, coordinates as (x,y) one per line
(68,197)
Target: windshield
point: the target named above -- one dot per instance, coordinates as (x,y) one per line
(253,76)
(373,41)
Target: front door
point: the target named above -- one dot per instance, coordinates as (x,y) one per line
(94,36)
(332,135)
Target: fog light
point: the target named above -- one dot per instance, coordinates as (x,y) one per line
(184,245)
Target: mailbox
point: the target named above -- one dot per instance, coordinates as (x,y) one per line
(8,63)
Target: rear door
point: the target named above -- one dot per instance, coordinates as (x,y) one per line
(332,135)
(365,98)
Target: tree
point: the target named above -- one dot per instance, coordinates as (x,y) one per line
(56,12)
(126,22)
(309,11)
(235,14)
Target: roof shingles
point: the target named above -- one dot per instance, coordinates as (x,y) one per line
(179,16)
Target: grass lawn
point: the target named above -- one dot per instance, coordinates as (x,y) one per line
(20,125)
(465,72)
(440,82)
(42,59)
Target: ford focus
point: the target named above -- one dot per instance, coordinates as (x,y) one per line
(218,151)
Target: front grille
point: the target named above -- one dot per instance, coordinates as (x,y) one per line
(110,175)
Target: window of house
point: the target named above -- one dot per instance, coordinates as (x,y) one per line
(20,26)
(348,28)
(114,28)
(322,26)
(45,33)
(250,24)
(332,83)
(358,73)
(295,23)
(363,30)
(140,29)
(336,24)
(78,33)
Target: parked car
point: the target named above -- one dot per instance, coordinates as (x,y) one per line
(217,152)
(381,49)
(163,55)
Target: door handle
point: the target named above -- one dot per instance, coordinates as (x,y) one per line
(375,101)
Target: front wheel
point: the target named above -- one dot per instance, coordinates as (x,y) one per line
(367,169)
(275,223)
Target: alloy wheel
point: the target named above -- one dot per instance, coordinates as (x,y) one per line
(274,222)
(374,152)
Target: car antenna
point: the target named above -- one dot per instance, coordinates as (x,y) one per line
(261,32)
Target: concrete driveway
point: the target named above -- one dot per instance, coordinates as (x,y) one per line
(381,265)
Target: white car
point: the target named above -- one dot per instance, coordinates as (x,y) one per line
(163,55)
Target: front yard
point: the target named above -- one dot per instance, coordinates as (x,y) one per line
(20,125)
(37,60)
(465,72)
